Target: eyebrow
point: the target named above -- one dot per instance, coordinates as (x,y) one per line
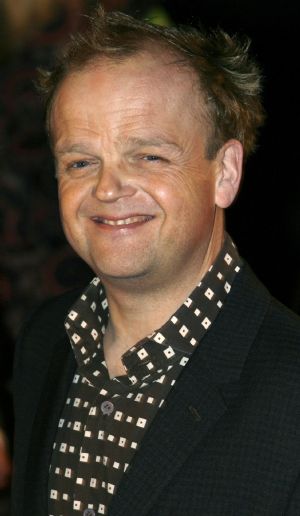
(155,142)
(75,147)
(67,148)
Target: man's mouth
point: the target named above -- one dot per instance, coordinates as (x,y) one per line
(122,222)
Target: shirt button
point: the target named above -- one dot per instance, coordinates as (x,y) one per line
(89,512)
(107,407)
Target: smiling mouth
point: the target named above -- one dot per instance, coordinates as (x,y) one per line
(123,222)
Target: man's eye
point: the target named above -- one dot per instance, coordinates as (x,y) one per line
(76,168)
(152,157)
(79,164)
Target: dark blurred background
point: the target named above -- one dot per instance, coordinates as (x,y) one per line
(35,260)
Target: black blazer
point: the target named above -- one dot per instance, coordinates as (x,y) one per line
(226,443)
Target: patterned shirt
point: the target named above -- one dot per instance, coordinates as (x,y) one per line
(104,420)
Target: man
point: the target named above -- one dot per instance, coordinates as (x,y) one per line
(174,387)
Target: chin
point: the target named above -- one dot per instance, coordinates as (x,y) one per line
(125,266)
(119,273)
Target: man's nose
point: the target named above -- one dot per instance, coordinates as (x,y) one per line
(112,183)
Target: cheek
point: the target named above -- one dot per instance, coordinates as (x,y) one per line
(65,208)
(71,222)
(186,195)
(200,195)
(70,198)
(69,205)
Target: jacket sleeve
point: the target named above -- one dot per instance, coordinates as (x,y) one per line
(293,508)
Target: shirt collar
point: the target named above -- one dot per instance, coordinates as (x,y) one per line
(173,343)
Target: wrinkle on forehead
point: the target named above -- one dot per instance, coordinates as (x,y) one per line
(159,63)
(135,79)
(153,65)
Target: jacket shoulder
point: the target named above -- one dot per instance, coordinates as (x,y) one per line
(41,333)
(48,318)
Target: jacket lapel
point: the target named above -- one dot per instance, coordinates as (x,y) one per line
(197,401)
(192,409)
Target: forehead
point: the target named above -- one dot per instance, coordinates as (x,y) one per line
(145,76)
(139,93)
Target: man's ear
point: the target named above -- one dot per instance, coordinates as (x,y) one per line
(229,172)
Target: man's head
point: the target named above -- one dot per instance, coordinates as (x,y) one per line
(144,170)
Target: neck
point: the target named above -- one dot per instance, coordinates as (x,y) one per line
(138,310)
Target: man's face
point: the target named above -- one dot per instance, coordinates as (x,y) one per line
(137,195)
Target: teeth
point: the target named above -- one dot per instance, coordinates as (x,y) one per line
(123,222)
